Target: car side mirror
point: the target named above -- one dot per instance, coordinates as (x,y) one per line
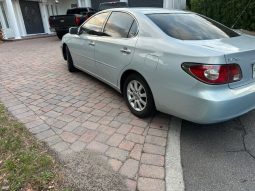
(73,30)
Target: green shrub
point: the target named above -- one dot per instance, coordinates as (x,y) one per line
(227,12)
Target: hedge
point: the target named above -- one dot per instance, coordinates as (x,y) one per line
(227,11)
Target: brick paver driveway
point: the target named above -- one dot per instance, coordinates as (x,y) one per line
(72,112)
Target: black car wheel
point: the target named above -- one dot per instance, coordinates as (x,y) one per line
(60,35)
(71,67)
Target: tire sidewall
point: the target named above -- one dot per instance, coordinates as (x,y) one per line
(69,59)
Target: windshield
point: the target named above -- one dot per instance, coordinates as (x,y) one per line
(189,26)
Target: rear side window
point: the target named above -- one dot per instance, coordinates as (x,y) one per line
(191,27)
(118,25)
(95,23)
(133,30)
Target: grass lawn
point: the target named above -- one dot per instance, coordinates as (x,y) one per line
(24,162)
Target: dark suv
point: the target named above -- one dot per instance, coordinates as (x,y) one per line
(110,5)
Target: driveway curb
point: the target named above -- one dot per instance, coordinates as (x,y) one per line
(174,173)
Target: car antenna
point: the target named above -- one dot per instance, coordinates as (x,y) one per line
(239,16)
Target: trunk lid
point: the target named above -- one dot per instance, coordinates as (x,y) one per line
(246,60)
(237,50)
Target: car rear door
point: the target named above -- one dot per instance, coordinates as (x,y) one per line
(116,48)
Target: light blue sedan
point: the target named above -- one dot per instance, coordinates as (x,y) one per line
(176,62)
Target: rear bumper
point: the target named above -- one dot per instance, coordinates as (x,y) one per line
(211,106)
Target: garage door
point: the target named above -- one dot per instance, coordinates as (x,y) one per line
(95,3)
(145,3)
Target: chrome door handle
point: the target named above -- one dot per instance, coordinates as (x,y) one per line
(125,50)
(91,43)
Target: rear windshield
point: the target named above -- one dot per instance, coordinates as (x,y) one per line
(190,26)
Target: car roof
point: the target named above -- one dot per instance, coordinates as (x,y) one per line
(150,10)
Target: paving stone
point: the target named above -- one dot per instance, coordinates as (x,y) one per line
(97,146)
(115,124)
(94,118)
(79,130)
(155,140)
(151,171)
(88,136)
(131,185)
(115,164)
(105,129)
(24,115)
(101,137)
(69,137)
(98,113)
(52,114)
(90,125)
(135,138)
(136,152)
(115,139)
(59,124)
(45,134)
(154,149)
(53,140)
(124,129)
(19,111)
(66,118)
(127,145)
(139,122)
(34,123)
(117,153)
(130,168)
(71,126)
(73,106)
(137,130)
(157,132)
(39,128)
(157,160)
(149,184)
(78,146)
(68,110)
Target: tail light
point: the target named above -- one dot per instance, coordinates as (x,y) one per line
(214,74)
(77,21)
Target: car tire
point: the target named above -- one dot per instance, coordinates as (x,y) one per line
(138,96)
(70,66)
(60,35)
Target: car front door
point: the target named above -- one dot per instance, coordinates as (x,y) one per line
(115,49)
(84,45)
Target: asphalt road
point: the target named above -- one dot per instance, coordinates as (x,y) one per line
(219,157)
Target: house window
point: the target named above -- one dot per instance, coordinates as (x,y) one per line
(2,11)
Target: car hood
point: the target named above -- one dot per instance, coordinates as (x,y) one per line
(228,45)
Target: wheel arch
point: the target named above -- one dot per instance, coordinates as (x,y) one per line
(128,73)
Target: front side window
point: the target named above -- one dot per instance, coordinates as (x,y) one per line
(118,25)
(191,27)
(95,24)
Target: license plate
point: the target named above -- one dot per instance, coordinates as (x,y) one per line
(253,70)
